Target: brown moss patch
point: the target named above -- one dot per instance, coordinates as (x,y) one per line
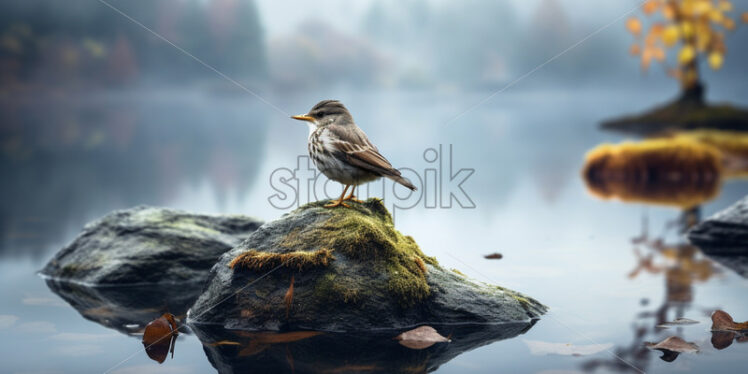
(677,172)
(297,260)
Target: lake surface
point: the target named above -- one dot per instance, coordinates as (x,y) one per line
(68,160)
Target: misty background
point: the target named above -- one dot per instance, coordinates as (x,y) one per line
(284,45)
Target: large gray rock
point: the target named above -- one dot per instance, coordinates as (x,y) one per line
(351,271)
(725,233)
(146,245)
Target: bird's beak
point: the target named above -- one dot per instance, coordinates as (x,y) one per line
(303,117)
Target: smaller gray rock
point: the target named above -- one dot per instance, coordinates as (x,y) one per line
(147,245)
(725,233)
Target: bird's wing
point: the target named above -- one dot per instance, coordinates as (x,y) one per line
(359,151)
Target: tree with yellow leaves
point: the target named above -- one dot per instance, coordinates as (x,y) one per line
(696,27)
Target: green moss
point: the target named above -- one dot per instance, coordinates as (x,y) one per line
(459,273)
(333,288)
(365,233)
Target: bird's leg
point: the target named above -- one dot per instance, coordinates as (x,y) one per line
(352,197)
(340,200)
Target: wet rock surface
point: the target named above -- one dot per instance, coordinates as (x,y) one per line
(147,245)
(345,270)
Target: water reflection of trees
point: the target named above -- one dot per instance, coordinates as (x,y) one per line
(682,265)
(65,161)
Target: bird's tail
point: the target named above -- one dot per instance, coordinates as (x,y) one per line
(402,180)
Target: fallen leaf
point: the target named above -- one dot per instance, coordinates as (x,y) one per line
(160,336)
(540,348)
(421,338)
(494,256)
(722,339)
(275,338)
(678,322)
(721,320)
(223,342)
(675,344)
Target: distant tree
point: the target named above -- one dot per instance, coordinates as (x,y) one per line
(696,27)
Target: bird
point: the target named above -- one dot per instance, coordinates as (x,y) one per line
(343,152)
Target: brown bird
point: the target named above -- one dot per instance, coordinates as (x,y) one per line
(342,152)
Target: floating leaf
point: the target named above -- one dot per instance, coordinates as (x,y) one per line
(494,256)
(540,348)
(722,321)
(159,337)
(679,322)
(722,339)
(275,338)
(222,342)
(675,344)
(634,25)
(421,338)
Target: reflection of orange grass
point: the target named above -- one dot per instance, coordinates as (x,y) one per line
(732,144)
(676,172)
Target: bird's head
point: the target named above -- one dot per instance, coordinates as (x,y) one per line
(327,112)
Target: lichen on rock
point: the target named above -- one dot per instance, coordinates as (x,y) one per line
(352,270)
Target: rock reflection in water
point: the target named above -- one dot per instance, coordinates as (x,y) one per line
(317,352)
(126,309)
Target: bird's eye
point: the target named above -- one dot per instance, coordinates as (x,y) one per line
(320,114)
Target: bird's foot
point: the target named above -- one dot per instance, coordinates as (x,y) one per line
(353,198)
(336,203)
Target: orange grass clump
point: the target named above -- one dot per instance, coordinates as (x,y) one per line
(675,172)
(298,260)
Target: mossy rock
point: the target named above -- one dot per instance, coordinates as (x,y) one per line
(350,270)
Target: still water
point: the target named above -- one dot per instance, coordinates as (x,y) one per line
(610,271)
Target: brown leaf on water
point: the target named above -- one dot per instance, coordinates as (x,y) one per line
(288,299)
(421,338)
(494,256)
(275,338)
(159,337)
(674,344)
(678,322)
(722,339)
(223,342)
(722,321)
